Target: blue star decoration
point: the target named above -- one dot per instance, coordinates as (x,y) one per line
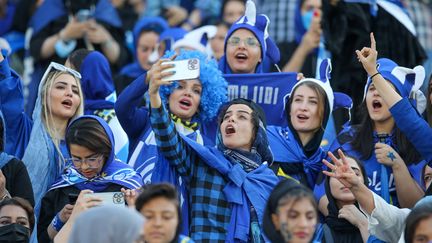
(391,156)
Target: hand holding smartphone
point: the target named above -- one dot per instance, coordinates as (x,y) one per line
(184,69)
(109,198)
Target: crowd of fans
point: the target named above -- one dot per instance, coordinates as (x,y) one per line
(98,143)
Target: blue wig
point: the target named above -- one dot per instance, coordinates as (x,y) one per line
(214,86)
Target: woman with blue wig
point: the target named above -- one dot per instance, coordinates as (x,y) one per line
(228,185)
(190,103)
(91,144)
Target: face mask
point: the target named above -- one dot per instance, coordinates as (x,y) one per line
(14,233)
(307,19)
(63,49)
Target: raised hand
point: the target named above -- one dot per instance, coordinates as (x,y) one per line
(387,155)
(156,74)
(368,57)
(342,170)
(130,196)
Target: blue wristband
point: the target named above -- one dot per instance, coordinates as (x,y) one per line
(57,223)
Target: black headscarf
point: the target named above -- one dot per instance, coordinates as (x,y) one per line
(282,189)
(342,230)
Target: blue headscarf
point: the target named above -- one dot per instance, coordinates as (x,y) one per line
(113,171)
(258,25)
(96,82)
(156,24)
(249,184)
(51,10)
(4,157)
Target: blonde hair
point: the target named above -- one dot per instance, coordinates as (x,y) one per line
(46,112)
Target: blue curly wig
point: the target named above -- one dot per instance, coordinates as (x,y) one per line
(214,86)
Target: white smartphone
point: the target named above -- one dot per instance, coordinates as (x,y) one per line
(110,198)
(184,69)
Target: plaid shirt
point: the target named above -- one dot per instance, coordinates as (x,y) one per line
(421,15)
(281,14)
(209,210)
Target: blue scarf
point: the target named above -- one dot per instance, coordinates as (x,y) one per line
(97,84)
(133,70)
(288,150)
(113,172)
(244,190)
(4,157)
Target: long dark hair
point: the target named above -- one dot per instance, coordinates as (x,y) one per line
(363,141)
(163,190)
(89,133)
(284,192)
(420,212)
(24,204)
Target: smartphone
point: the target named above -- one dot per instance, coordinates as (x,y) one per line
(110,198)
(83,15)
(72,198)
(184,69)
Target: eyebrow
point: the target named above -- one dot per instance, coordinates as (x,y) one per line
(5,217)
(65,83)
(86,157)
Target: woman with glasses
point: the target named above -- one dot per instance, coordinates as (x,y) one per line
(248,47)
(93,166)
(39,140)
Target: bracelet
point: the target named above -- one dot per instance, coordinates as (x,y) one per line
(56,223)
(371,77)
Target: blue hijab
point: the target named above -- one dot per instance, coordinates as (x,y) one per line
(246,185)
(51,10)
(96,82)
(4,157)
(113,172)
(156,24)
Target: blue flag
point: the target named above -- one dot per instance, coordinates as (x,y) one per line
(266,89)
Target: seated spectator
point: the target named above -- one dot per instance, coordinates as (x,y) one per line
(16,220)
(160,206)
(39,140)
(14,178)
(99,94)
(345,221)
(108,224)
(72,25)
(145,38)
(217,41)
(308,109)
(248,47)
(91,145)
(291,214)
(190,103)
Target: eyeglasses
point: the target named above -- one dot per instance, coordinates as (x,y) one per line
(250,41)
(92,162)
(62,68)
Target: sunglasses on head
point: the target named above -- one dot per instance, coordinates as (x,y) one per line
(61,68)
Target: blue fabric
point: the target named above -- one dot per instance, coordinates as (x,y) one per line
(133,70)
(300,29)
(286,149)
(266,89)
(6,21)
(373,168)
(97,84)
(241,189)
(104,12)
(4,157)
(113,171)
(18,125)
(415,128)
(269,51)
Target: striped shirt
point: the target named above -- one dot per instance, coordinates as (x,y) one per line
(209,210)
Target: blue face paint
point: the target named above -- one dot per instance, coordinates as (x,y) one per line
(307,18)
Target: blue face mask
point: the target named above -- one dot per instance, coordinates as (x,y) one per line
(307,19)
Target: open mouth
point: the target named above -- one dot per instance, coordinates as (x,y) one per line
(241,56)
(229,130)
(186,102)
(302,117)
(67,103)
(376,104)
